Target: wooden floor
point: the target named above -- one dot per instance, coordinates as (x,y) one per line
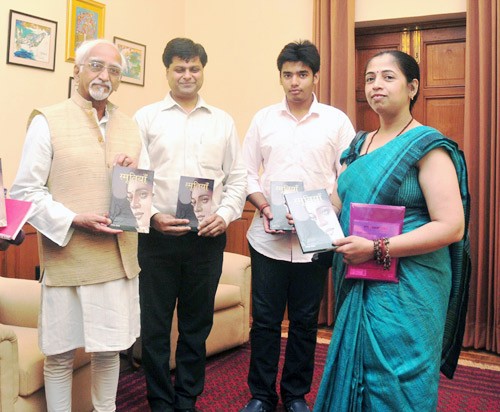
(471,355)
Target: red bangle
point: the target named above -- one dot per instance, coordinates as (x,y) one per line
(262,207)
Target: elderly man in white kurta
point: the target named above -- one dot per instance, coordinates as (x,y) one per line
(89,271)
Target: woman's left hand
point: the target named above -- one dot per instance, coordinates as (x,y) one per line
(355,249)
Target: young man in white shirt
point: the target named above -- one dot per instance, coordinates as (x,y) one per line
(298,139)
(184,136)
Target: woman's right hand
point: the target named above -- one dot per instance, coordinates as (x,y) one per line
(355,249)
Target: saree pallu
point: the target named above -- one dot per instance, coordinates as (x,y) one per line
(390,340)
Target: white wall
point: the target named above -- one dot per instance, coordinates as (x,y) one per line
(149,22)
(242,38)
(387,10)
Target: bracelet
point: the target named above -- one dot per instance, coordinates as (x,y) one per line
(262,207)
(387,256)
(377,252)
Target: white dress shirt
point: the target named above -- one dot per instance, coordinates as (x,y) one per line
(202,143)
(286,149)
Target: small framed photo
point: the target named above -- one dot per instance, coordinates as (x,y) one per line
(71,86)
(85,21)
(135,56)
(31,41)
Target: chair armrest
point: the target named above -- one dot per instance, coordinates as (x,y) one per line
(19,302)
(9,369)
(235,269)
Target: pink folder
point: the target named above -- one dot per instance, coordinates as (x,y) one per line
(18,211)
(374,222)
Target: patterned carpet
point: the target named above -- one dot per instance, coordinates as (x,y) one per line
(472,389)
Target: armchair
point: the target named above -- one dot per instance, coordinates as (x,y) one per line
(231,325)
(21,362)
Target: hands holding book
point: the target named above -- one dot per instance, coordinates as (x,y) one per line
(4,243)
(268,216)
(211,226)
(94,223)
(122,159)
(355,249)
(170,225)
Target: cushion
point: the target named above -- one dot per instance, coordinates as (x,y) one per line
(227,296)
(31,360)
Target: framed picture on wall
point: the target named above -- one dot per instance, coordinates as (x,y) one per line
(85,21)
(135,56)
(31,41)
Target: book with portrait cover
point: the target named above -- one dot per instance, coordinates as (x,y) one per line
(17,213)
(3,213)
(314,219)
(194,201)
(375,222)
(278,205)
(131,199)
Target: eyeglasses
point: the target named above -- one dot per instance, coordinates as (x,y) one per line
(98,67)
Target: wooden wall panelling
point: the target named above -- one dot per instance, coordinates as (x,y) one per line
(21,261)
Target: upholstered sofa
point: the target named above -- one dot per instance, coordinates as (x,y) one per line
(232,309)
(21,362)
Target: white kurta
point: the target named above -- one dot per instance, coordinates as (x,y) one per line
(99,317)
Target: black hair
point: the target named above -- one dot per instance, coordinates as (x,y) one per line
(300,51)
(407,64)
(185,49)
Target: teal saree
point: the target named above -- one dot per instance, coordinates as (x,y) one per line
(390,340)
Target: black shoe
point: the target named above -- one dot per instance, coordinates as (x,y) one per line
(256,406)
(297,405)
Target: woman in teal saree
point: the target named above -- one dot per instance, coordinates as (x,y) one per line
(391,339)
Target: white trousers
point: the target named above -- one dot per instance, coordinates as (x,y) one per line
(58,373)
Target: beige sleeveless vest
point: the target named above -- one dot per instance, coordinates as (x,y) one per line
(79,178)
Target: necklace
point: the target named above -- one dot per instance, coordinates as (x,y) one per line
(374,134)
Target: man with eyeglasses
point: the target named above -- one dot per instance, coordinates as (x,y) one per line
(89,271)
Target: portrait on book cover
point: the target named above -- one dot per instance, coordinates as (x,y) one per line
(194,199)
(132,198)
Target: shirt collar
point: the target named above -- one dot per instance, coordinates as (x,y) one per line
(283,107)
(169,103)
(87,104)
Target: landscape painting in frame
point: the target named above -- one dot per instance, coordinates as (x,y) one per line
(135,56)
(85,22)
(31,41)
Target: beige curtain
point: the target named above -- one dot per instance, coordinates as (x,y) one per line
(482,145)
(334,36)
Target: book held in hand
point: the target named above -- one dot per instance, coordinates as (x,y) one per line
(279,208)
(194,201)
(17,212)
(375,222)
(131,199)
(314,219)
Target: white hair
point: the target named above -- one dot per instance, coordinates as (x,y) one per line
(83,51)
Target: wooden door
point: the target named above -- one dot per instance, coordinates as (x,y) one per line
(439,48)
